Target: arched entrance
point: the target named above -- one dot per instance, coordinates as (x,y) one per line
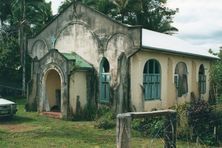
(53,90)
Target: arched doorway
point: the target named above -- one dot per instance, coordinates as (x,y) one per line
(53,90)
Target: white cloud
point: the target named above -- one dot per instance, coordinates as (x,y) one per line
(199,21)
(55,5)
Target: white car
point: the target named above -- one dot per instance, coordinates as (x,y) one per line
(7,108)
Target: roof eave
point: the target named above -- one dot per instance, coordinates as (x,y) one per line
(178,52)
(84,69)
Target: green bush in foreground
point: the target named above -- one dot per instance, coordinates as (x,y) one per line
(106,121)
(197,122)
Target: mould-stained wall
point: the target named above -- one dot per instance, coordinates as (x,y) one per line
(39,49)
(88,33)
(78,90)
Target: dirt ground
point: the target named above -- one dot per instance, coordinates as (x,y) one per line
(18,127)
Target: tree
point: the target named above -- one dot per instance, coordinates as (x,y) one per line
(10,67)
(154,15)
(66,3)
(22,18)
(151,14)
(37,14)
(121,9)
(4,10)
(216,78)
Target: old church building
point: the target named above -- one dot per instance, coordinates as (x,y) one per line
(83,57)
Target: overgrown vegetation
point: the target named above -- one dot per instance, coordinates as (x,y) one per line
(199,122)
(216,79)
(149,127)
(103,116)
(88,113)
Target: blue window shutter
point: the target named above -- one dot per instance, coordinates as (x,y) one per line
(151,86)
(105,87)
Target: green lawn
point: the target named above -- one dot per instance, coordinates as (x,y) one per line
(33,130)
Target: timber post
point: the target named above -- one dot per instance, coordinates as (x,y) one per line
(170,130)
(123,129)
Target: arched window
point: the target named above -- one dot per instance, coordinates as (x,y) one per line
(202,80)
(104,78)
(151,80)
(181,78)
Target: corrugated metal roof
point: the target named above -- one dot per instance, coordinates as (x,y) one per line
(79,61)
(169,43)
(69,56)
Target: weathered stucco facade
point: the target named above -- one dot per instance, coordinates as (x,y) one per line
(168,93)
(83,57)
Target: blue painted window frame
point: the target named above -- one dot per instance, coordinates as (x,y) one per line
(152,80)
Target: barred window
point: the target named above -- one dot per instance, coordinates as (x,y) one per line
(151,80)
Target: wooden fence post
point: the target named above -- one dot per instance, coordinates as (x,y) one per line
(170,131)
(123,129)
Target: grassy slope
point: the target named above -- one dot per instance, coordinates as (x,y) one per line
(33,130)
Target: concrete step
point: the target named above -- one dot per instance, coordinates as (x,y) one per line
(56,115)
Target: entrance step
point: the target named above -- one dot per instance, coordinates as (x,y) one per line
(56,115)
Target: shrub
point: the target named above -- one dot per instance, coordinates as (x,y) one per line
(202,120)
(106,121)
(102,111)
(89,112)
(198,114)
(183,130)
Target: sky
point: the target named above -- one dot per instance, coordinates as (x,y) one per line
(199,21)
